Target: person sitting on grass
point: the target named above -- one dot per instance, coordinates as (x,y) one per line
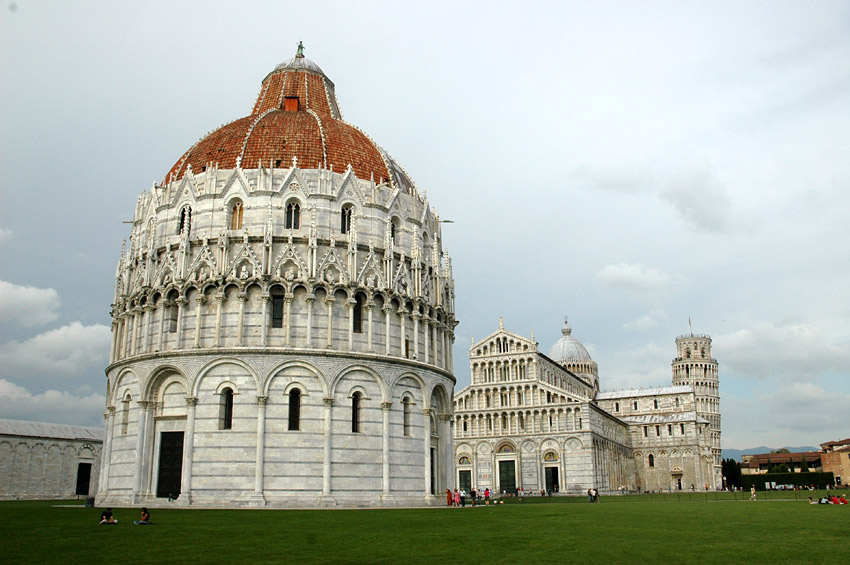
(106,517)
(146,518)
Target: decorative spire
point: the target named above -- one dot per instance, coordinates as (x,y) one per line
(501,323)
(300,53)
(566,330)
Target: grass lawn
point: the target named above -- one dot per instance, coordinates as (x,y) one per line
(611,532)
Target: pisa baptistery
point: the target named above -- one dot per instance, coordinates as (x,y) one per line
(283,320)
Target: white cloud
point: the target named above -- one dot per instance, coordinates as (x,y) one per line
(69,351)
(18,403)
(777,350)
(701,201)
(644,323)
(5,234)
(27,305)
(633,277)
(645,366)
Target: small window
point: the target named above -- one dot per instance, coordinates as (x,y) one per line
(464,426)
(635,404)
(355,412)
(345,218)
(290,104)
(651,460)
(669,429)
(184,225)
(357,314)
(225,421)
(655,404)
(277,310)
(125,414)
(406,416)
(236,216)
(173,310)
(645,433)
(293,216)
(616,407)
(677,402)
(294,409)
(682,429)
(657,431)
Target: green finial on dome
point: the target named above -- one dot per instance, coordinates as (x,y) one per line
(300,53)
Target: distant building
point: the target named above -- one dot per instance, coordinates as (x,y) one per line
(763,462)
(835,456)
(48,461)
(538,421)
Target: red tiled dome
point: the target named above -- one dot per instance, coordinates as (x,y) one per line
(296,115)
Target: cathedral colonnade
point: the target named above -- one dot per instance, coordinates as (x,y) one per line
(254,429)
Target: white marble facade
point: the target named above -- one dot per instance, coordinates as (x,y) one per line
(539,422)
(39,460)
(248,295)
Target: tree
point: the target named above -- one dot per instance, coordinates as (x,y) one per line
(780,450)
(804,465)
(781,468)
(731,469)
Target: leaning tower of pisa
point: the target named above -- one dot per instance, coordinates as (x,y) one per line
(695,366)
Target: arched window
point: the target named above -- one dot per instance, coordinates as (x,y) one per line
(651,460)
(394,229)
(357,313)
(406,416)
(236,215)
(125,414)
(616,407)
(184,225)
(345,218)
(293,216)
(225,420)
(355,412)
(655,404)
(277,308)
(294,409)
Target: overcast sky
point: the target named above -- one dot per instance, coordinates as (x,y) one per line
(628,164)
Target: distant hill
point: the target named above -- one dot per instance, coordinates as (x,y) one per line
(736,453)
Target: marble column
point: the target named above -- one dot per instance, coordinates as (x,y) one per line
(385,455)
(261,446)
(416,318)
(181,314)
(310,299)
(287,305)
(200,300)
(330,302)
(369,307)
(326,462)
(264,321)
(106,453)
(387,311)
(140,448)
(188,449)
(427,444)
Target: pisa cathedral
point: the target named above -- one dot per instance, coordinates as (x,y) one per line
(539,422)
(282,321)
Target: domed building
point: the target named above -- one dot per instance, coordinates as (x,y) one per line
(283,320)
(539,422)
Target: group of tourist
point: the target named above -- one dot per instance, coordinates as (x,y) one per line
(592,495)
(108,519)
(829,500)
(458,497)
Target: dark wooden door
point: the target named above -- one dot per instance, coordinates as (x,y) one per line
(83,478)
(465,480)
(170,464)
(507,476)
(552,479)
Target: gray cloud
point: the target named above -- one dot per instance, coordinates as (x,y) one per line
(636,278)
(701,202)
(60,407)
(769,350)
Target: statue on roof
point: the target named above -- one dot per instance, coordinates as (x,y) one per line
(300,53)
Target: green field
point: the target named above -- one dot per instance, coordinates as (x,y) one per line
(634,529)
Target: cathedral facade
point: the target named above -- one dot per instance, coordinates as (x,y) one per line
(282,321)
(539,422)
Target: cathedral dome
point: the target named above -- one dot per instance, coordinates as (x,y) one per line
(568,349)
(295,117)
